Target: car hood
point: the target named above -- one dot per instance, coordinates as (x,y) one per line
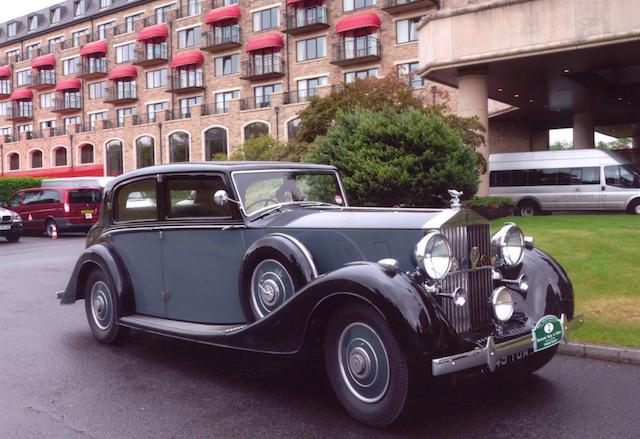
(5,212)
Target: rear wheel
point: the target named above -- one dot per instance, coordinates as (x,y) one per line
(101,307)
(12,237)
(634,207)
(366,367)
(528,208)
(48,228)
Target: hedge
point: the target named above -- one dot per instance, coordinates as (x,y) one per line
(11,184)
(491,207)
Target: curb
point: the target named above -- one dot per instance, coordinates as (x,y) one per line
(597,352)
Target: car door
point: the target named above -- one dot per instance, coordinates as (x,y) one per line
(137,240)
(202,249)
(618,188)
(31,210)
(579,188)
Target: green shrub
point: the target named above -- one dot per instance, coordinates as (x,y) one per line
(266,148)
(492,207)
(390,158)
(11,184)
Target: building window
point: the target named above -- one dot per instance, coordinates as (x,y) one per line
(46,100)
(145,152)
(189,37)
(223,99)
(255,129)
(54,15)
(293,128)
(187,103)
(23,78)
(311,49)
(70,66)
(14,161)
(406,30)
(227,65)
(47,124)
(157,78)
(162,13)
(97,90)
(189,77)
(55,44)
(361,74)
(36,159)
(12,55)
(131,21)
(266,19)
(193,7)
(12,29)
(103,28)
(215,144)
(71,121)
(309,87)
(350,5)
(26,128)
(33,50)
(94,118)
(178,147)
(78,8)
(114,158)
(125,53)
(76,37)
(153,109)
(125,112)
(33,23)
(60,156)
(86,154)
(408,71)
(3,108)
(105,3)
(263,94)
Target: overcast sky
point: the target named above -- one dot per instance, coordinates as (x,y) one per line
(17,8)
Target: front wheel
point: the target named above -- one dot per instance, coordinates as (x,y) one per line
(13,237)
(101,307)
(634,207)
(366,367)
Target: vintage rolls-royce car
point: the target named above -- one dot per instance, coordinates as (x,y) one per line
(269,257)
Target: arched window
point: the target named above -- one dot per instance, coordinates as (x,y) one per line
(293,128)
(60,156)
(86,154)
(145,154)
(179,147)
(215,144)
(14,161)
(114,158)
(36,159)
(255,129)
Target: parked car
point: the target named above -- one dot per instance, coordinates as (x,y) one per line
(99,182)
(10,225)
(269,257)
(587,179)
(69,209)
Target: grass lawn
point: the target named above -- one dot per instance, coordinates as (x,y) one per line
(601,254)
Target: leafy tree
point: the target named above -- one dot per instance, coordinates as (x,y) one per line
(559,145)
(392,157)
(621,143)
(266,148)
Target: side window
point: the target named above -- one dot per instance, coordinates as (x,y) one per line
(49,197)
(519,177)
(192,197)
(14,201)
(31,197)
(542,177)
(612,175)
(137,202)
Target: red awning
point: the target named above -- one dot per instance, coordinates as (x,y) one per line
(231,12)
(21,94)
(270,41)
(97,47)
(44,61)
(123,72)
(79,171)
(5,72)
(156,32)
(365,20)
(187,59)
(71,84)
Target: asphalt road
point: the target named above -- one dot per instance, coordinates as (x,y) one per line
(57,381)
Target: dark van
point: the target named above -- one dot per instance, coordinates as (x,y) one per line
(69,209)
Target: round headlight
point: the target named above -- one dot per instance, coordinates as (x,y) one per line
(433,254)
(508,245)
(502,303)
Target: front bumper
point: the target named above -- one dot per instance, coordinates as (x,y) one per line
(16,229)
(492,353)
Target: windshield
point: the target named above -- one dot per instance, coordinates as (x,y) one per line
(264,189)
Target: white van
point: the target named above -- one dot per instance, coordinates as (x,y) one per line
(588,179)
(99,182)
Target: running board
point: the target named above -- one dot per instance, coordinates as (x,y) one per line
(176,327)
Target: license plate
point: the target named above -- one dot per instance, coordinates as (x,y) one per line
(88,216)
(85,211)
(547,333)
(514,357)
(5,227)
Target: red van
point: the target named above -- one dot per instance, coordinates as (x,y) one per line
(69,209)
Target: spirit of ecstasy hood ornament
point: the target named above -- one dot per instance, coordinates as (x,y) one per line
(455,198)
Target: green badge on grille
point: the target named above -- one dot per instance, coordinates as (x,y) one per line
(547,333)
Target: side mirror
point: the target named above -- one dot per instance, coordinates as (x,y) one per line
(221,198)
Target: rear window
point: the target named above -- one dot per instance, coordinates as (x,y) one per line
(137,201)
(85,196)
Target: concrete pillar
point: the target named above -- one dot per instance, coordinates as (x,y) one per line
(473,102)
(635,142)
(583,131)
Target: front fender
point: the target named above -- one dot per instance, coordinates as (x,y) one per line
(104,257)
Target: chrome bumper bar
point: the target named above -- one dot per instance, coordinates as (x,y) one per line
(492,353)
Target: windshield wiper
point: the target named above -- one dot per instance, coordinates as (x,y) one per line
(274,209)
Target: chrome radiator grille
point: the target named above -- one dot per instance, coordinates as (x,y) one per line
(478,283)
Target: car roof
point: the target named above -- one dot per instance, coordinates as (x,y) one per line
(226,167)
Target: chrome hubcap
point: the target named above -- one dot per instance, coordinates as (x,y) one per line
(269,291)
(638,209)
(101,305)
(271,286)
(363,362)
